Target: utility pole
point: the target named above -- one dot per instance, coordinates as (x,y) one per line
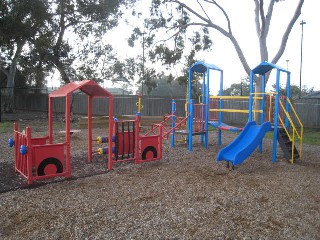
(301,23)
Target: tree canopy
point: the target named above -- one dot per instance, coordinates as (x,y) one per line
(187,27)
(40,36)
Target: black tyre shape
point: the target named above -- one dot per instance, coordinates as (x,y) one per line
(48,161)
(149,149)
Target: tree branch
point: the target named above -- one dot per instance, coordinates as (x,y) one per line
(263,20)
(204,11)
(286,34)
(223,11)
(61,26)
(191,10)
(269,16)
(257,19)
(224,32)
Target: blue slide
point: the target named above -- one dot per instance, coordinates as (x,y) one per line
(246,142)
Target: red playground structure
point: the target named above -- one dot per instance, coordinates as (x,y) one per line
(40,158)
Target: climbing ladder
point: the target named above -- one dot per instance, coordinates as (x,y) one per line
(291,130)
(167,125)
(288,147)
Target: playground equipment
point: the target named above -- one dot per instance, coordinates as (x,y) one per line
(40,158)
(216,107)
(197,116)
(139,103)
(170,124)
(285,130)
(197,119)
(128,145)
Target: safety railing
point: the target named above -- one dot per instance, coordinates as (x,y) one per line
(291,129)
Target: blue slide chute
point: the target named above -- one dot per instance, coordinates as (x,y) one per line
(246,142)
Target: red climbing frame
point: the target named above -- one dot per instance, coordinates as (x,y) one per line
(42,157)
(129,145)
(42,160)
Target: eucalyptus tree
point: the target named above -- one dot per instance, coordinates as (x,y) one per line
(74,40)
(178,17)
(39,36)
(19,21)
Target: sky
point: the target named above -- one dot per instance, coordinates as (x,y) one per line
(224,55)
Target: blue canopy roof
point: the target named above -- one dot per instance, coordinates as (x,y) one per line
(265,67)
(202,67)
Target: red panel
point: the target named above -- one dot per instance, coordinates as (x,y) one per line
(42,152)
(39,141)
(125,143)
(148,142)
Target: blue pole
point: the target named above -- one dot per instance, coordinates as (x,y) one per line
(288,97)
(203,88)
(203,101)
(189,122)
(206,138)
(220,107)
(190,125)
(275,131)
(251,96)
(263,91)
(173,109)
(190,86)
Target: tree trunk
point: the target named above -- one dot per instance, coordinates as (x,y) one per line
(64,76)
(9,94)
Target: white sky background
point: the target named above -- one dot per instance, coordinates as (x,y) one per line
(241,14)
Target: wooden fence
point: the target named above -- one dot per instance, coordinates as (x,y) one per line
(308,110)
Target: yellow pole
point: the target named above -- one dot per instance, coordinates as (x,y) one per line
(139,105)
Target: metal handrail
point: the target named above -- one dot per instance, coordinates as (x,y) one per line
(294,129)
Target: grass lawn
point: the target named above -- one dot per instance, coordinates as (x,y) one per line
(310,136)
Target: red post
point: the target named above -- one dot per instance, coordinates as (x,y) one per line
(160,142)
(50,120)
(89,128)
(111,124)
(137,139)
(67,116)
(15,137)
(29,155)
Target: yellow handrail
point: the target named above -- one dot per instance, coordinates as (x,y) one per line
(294,128)
(232,97)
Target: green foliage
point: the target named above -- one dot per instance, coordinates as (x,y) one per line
(46,28)
(165,86)
(6,127)
(294,91)
(173,51)
(20,20)
(238,89)
(311,136)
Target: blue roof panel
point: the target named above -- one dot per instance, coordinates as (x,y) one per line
(265,67)
(201,67)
